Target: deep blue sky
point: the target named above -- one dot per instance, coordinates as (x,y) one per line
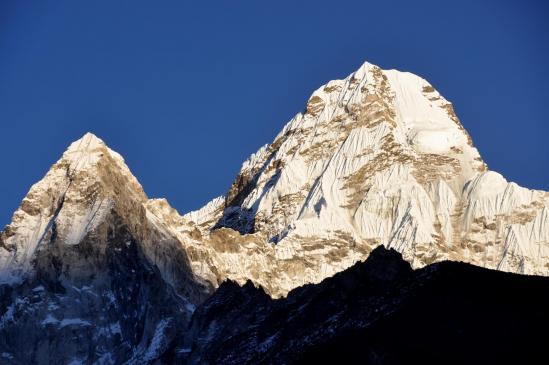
(185,91)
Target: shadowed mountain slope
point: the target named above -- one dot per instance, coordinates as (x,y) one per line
(377,312)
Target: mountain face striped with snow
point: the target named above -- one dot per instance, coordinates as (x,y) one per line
(379,158)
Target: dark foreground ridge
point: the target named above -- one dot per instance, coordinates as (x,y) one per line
(376,312)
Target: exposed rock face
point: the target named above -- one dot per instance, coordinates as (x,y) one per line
(378,158)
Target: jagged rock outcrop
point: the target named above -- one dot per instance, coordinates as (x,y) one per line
(379,158)
(377,312)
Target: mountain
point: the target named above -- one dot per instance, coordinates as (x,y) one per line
(92,270)
(86,271)
(377,312)
(377,158)
(381,158)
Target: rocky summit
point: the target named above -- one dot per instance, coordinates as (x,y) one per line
(92,271)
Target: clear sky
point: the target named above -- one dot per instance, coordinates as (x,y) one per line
(186,90)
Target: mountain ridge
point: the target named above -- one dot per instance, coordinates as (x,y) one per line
(378,311)
(376,159)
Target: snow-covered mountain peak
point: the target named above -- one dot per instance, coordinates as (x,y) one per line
(85,152)
(377,158)
(92,152)
(87,143)
(83,248)
(351,130)
(84,185)
(380,157)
